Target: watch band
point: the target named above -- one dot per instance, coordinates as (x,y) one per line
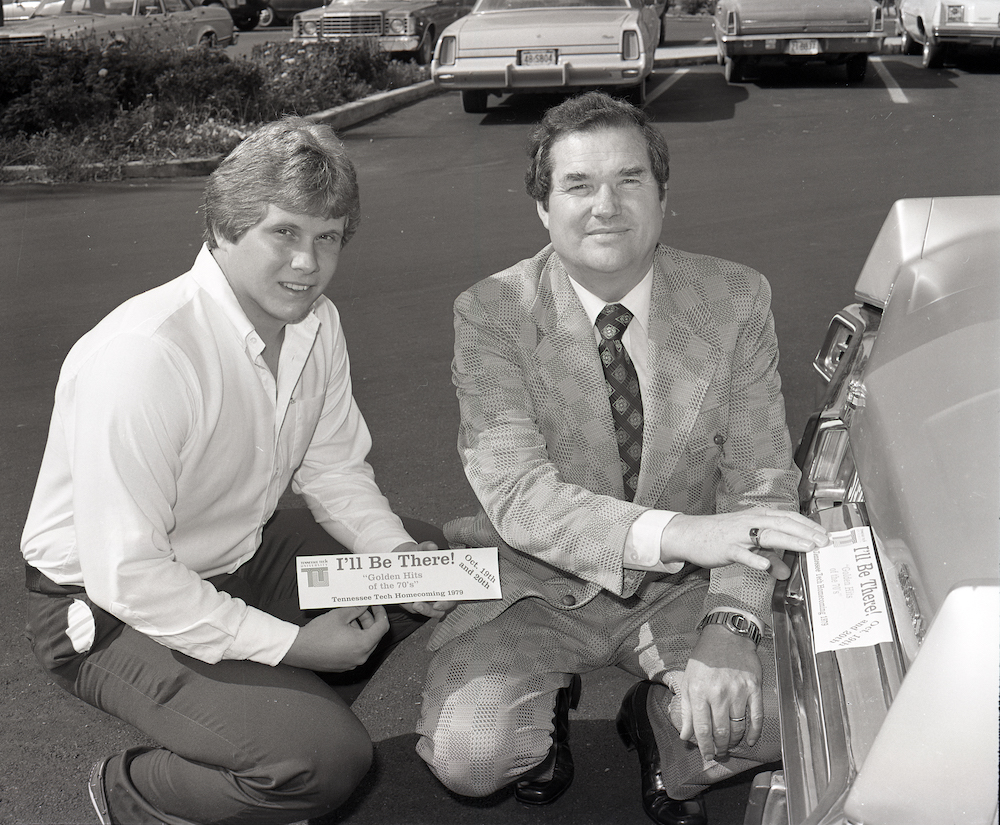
(735,623)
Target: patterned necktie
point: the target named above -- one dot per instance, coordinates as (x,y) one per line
(623,392)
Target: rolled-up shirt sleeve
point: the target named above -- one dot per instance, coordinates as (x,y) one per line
(335,478)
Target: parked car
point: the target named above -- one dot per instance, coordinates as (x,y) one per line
(245,13)
(280,12)
(548,46)
(401,26)
(900,729)
(750,33)
(107,21)
(12,11)
(941,29)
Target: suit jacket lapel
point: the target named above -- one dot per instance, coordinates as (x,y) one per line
(570,366)
(681,366)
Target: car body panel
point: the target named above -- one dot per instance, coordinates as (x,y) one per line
(161,21)
(583,45)
(905,442)
(800,30)
(19,11)
(340,19)
(975,23)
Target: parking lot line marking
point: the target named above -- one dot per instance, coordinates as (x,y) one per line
(896,94)
(652,94)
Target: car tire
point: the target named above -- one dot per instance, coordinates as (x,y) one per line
(637,95)
(246,20)
(425,51)
(475,101)
(735,69)
(933,56)
(209,40)
(857,68)
(267,17)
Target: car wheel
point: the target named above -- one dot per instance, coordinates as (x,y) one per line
(425,51)
(475,101)
(637,95)
(857,68)
(208,40)
(933,57)
(247,21)
(267,17)
(735,69)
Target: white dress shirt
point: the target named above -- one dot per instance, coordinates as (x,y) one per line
(642,547)
(169,446)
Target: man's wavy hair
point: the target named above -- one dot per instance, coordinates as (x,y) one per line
(589,112)
(291,163)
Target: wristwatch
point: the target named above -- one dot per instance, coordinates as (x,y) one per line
(735,623)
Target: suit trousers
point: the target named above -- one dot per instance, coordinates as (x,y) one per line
(240,742)
(488,702)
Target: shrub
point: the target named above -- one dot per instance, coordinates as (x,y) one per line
(84,111)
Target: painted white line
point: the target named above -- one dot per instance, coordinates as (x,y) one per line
(896,94)
(652,94)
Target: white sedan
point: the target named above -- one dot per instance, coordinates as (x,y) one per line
(940,28)
(548,46)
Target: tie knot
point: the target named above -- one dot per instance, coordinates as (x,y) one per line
(612,321)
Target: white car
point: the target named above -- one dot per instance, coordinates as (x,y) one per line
(887,642)
(941,28)
(548,46)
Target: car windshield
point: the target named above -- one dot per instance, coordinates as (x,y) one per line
(515,5)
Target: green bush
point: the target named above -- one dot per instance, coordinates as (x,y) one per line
(84,111)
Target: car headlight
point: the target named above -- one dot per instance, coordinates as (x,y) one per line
(396,25)
(447,51)
(309,28)
(953,13)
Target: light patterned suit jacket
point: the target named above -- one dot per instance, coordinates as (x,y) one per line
(537,438)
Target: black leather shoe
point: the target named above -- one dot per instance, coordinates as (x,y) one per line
(534,791)
(637,734)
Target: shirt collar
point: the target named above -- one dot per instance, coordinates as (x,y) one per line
(209,275)
(637,300)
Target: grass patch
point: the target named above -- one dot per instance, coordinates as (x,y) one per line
(82,111)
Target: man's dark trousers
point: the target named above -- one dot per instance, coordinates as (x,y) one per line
(242,742)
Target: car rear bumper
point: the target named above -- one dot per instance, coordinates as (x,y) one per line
(782,45)
(579,72)
(832,705)
(985,37)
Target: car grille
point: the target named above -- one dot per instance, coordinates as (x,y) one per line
(8,42)
(352,25)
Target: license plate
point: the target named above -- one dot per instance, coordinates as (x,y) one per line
(803,47)
(538,57)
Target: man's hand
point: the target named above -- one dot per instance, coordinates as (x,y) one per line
(433,610)
(715,541)
(338,640)
(721,700)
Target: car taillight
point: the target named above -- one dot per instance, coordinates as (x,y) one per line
(878,24)
(630,45)
(447,49)
(831,475)
(732,23)
(953,13)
